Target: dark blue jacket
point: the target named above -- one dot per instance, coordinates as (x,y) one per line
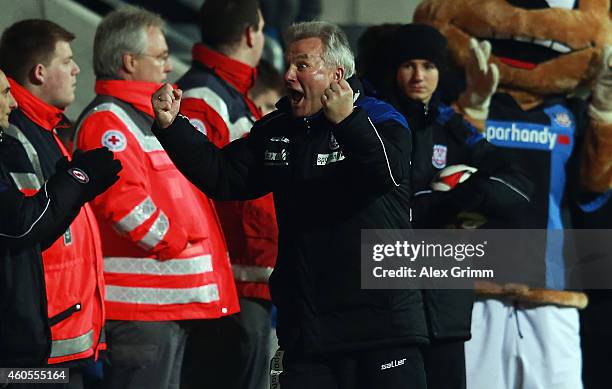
(329,182)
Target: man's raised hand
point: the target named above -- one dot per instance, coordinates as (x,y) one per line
(337,101)
(166,102)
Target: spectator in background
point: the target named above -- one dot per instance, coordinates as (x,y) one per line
(280,14)
(417,62)
(66,325)
(374,52)
(268,89)
(165,259)
(216,101)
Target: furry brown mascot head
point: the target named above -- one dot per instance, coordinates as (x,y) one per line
(542,47)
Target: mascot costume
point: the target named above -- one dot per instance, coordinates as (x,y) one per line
(545,50)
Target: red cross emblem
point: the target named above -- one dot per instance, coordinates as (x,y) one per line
(114,140)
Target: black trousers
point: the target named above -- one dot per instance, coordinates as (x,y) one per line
(232,352)
(144,354)
(445,365)
(388,368)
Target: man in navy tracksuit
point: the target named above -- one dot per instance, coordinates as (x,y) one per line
(336,163)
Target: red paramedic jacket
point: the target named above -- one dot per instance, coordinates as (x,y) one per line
(73,264)
(165,257)
(215,100)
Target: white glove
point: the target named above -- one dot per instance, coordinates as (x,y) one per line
(482,79)
(600,108)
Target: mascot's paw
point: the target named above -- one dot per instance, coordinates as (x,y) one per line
(601,105)
(482,78)
(513,293)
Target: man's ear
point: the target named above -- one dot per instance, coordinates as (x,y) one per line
(129,63)
(38,74)
(249,34)
(338,74)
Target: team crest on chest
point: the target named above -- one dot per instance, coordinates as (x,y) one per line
(438,159)
(114,140)
(563,119)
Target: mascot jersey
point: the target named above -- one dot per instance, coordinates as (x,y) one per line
(541,141)
(530,116)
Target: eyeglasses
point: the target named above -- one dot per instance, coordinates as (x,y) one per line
(161,59)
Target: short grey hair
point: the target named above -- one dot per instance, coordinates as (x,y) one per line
(336,48)
(121,31)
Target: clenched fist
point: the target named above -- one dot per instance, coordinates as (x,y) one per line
(337,101)
(166,102)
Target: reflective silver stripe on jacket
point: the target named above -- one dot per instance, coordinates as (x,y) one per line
(147,142)
(26,181)
(64,347)
(246,273)
(162,296)
(150,266)
(239,128)
(156,233)
(138,215)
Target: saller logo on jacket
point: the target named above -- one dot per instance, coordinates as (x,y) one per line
(391,364)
